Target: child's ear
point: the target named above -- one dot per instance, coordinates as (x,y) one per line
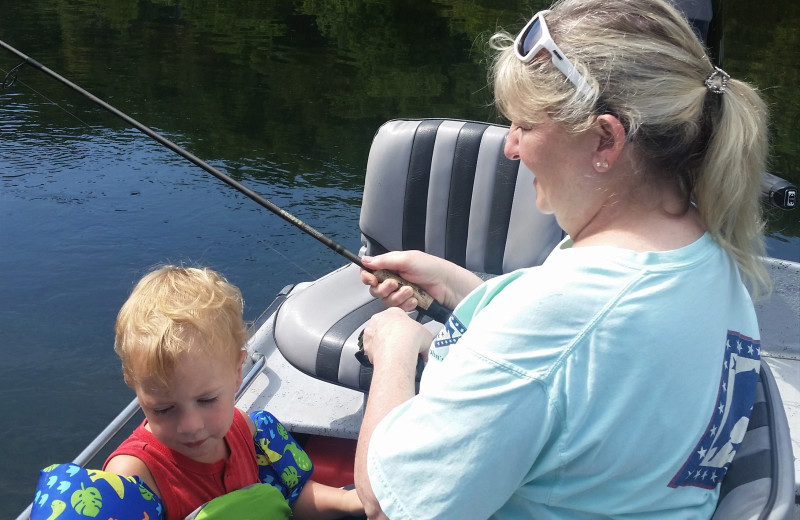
(240,362)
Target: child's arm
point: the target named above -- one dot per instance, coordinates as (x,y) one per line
(129,465)
(320,502)
(70,492)
(284,465)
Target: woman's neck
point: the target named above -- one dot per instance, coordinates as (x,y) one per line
(661,222)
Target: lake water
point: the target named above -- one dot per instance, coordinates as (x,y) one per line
(283,96)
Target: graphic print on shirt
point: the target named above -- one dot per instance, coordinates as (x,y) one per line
(449,335)
(708,463)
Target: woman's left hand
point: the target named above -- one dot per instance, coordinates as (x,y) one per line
(392,337)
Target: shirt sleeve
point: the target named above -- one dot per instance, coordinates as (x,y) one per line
(467,442)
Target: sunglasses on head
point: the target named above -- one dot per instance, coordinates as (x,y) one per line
(534,38)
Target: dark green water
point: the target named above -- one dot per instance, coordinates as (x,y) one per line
(284,96)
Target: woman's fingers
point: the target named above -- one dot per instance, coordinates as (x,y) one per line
(392,333)
(390,292)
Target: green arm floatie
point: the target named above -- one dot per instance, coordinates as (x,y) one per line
(255,502)
(68,491)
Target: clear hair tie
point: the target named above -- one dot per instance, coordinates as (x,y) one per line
(717,81)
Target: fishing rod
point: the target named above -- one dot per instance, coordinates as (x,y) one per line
(426,303)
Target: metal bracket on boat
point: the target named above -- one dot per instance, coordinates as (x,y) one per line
(11,77)
(259,361)
(778,192)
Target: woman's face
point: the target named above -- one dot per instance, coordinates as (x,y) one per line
(561,163)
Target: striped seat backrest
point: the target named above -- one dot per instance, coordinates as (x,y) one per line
(445,187)
(759,484)
(441,186)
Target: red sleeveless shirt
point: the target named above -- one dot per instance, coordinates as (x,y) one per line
(186,484)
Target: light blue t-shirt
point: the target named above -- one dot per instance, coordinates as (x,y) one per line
(603,384)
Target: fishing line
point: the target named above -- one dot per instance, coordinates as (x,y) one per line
(427,304)
(11,78)
(298,266)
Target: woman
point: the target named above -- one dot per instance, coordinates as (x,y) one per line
(616,379)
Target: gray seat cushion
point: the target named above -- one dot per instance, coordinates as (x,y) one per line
(440,186)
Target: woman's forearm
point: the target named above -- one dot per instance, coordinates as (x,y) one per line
(392,384)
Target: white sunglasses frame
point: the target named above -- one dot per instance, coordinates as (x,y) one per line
(558,57)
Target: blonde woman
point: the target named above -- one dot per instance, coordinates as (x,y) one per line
(615,380)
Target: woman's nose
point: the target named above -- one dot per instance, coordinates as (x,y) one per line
(511,148)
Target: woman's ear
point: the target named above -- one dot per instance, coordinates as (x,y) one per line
(611,141)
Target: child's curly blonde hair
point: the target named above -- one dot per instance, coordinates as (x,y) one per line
(174,310)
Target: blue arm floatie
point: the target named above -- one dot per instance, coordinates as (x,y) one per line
(282,463)
(68,491)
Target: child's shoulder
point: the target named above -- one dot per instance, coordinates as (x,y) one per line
(129,465)
(250,424)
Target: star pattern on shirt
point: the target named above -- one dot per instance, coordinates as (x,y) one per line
(450,333)
(708,462)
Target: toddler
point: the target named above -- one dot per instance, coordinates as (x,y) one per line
(180,336)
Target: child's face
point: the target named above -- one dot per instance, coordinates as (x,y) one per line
(193,415)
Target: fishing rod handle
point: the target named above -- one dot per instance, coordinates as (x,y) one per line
(426,304)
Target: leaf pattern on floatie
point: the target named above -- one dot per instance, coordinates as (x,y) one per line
(87,501)
(290,477)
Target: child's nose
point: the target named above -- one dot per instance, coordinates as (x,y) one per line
(190,421)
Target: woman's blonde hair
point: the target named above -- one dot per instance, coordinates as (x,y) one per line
(647,67)
(174,310)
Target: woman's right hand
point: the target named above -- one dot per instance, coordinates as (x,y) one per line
(444,281)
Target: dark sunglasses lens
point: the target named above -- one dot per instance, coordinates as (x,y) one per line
(533,35)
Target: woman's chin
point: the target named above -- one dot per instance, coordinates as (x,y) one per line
(542,206)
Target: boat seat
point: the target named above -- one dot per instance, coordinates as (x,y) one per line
(759,484)
(438,185)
